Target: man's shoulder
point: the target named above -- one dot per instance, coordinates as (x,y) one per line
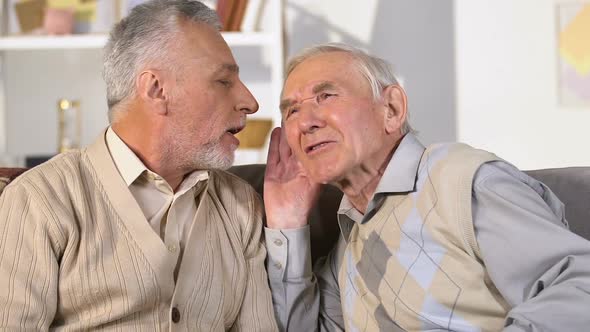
(229,183)
(458,150)
(446,161)
(457,154)
(241,203)
(57,176)
(46,188)
(233,191)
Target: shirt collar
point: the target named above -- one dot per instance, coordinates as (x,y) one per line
(399,176)
(191,181)
(129,165)
(401,172)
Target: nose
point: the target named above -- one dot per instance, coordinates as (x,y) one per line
(246,101)
(310,118)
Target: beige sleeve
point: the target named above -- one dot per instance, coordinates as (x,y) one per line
(29,251)
(256,312)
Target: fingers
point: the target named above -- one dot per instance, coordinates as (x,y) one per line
(284,149)
(273,156)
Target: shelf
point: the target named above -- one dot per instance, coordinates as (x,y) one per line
(248,38)
(17,43)
(52,42)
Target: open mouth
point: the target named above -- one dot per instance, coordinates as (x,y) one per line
(316,146)
(235,130)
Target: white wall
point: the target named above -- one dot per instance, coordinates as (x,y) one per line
(507,101)
(34,81)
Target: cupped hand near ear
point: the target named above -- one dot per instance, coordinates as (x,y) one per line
(289,194)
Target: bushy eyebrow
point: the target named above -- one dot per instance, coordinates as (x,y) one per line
(322,87)
(286,103)
(227,67)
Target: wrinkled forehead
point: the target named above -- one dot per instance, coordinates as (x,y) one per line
(336,68)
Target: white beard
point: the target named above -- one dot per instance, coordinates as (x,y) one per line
(213,156)
(208,156)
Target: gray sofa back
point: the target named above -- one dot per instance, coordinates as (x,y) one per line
(571,185)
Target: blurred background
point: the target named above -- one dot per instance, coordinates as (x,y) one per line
(512,77)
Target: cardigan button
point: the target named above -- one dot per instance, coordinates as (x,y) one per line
(175,315)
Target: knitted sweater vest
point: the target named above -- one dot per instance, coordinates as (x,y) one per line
(416,261)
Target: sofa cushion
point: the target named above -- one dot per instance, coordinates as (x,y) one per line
(572,186)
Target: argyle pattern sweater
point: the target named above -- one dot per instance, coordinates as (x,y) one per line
(416,261)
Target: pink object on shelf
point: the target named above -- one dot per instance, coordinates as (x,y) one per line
(59,21)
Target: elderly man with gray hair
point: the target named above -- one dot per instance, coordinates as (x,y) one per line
(142,230)
(443,237)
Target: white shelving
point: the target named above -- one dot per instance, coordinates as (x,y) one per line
(21,43)
(271,40)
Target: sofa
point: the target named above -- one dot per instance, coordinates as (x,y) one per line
(571,184)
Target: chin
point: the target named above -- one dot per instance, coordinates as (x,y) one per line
(225,161)
(323,174)
(216,157)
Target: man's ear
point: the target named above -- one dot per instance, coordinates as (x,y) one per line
(150,88)
(396,107)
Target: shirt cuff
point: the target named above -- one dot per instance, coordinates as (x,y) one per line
(289,253)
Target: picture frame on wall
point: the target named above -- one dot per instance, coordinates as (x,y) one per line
(573,53)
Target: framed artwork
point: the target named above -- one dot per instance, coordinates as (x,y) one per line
(573,52)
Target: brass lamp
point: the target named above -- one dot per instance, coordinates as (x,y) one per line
(69,129)
(254,134)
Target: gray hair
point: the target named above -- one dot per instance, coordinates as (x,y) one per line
(377,71)
(143,37)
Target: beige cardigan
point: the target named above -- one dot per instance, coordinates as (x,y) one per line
(76,253)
